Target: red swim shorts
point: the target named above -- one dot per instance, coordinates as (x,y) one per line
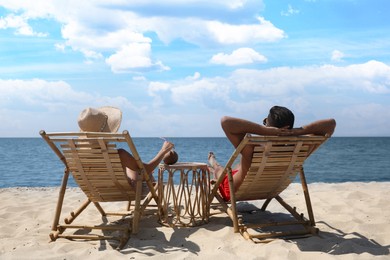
(224,187)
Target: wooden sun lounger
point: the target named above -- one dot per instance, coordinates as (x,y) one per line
(93,161)
(275,163)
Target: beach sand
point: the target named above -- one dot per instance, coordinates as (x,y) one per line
(353,218)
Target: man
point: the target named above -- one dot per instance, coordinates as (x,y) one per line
(280,121)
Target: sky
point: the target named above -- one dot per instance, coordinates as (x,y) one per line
(176,67)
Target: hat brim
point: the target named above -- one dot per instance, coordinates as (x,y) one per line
(114,118)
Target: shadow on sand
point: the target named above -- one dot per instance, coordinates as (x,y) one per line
(153,239)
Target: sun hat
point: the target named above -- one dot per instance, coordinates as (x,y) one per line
(103,119)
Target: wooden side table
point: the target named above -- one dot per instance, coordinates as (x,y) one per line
(186,203)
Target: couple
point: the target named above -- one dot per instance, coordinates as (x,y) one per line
(280,121)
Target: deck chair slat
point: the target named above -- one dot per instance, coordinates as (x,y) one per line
(96,176)
(113,159)
(90,168)
(90,147)
(86,161)
(95,153)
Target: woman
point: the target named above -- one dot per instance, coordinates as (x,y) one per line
(108,119)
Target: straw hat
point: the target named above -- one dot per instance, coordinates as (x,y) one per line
(104,119)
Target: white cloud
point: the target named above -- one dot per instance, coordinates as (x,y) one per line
(337,56)
(204,32)
(358,81)
(355,118)
(238,57)
(371,77)
(27,106)
(139,78)
(51,95)
(198,91)
(312,92)
(232,4)
(80,36)
(235,3)
(306,90)
(84,30)
(290,11)
(265,31)
(132,57)
(194,77)
(20,24)
(60,47)
(157,91)
(157,87)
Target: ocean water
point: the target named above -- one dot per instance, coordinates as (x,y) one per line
(29,162)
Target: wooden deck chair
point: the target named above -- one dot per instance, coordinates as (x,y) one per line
(93,161)
(275,163)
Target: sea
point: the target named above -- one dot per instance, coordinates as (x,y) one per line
(29,162)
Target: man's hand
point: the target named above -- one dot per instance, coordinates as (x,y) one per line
(287,132)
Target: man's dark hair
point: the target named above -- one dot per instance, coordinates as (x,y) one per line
(281,116)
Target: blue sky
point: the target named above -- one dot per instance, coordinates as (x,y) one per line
(176,67)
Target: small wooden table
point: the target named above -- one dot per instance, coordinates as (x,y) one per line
(186,203)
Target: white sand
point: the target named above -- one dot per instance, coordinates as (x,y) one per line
(353,218)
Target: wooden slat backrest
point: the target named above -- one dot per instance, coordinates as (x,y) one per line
(94,162)
(275,163)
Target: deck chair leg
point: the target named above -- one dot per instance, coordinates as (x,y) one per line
(128,206)
(307,197)
(137,213)
(101,210)
(60,202)
(73,215)
(159,187)
(233,206)
(289,208)
(265,204)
